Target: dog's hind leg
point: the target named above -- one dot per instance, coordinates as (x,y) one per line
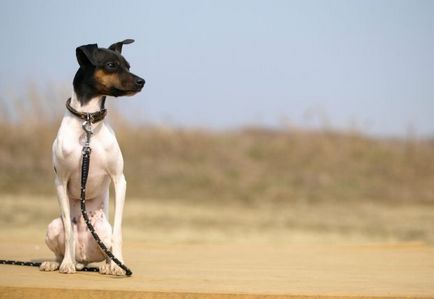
(55,240)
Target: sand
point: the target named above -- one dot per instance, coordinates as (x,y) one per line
(232,271)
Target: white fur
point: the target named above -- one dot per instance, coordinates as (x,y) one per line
(67,236)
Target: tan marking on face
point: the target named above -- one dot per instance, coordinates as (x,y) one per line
(108,80)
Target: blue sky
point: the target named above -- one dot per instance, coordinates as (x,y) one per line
(223,64)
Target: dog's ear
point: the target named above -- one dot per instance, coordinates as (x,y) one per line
(86,54)
(117,47)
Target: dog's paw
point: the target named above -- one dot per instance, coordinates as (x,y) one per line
(67,267)
(104,268)
(79,266)
(116,270)
(111,269)
(49,266)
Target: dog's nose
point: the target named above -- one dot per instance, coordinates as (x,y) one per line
(140,82)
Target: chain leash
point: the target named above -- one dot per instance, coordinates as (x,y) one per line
(87,127)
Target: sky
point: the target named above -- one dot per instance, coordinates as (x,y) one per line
(365,65)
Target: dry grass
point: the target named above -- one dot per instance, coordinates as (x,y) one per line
(248,165)
(247,183)
(172,221)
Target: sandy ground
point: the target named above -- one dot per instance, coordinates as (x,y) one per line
(201,250)
(232,271)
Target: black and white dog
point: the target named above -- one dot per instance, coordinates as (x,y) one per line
(103,72)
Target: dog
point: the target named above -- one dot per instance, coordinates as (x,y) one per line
(102,72)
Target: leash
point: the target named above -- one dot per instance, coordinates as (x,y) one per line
(37,264)
(87,127)
(90,118)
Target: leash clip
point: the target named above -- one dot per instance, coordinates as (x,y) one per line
(87,127)
(87,124)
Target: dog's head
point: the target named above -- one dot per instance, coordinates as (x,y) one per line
(105,72)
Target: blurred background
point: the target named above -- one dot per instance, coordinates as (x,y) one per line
(261,121)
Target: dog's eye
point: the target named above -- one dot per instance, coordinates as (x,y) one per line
(111,66)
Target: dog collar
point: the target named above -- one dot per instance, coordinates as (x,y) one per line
(94,116)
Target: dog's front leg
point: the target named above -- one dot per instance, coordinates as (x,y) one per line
(120,186)
(68,263)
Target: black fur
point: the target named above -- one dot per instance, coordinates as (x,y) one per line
(118,46)
(104,72)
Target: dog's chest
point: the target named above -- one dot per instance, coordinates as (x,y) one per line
(105,158)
